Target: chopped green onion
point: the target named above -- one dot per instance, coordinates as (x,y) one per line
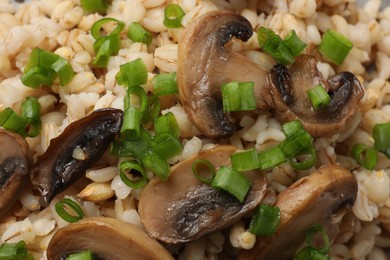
(83,255)
(203,170)
(152,109)
(265,220)
(141,95)
(65,206)
(137,148)
(309,253)
(133,73)
(244,161)
(293,129)
(31,110)
(14,122)
(164,84)
(167,124)
(15,251)
(238,96)
(308,163)
(295,44)
(157,165)
(365,156)
(166,145)
(318,229)
(263,34)
(94,6)
(137,33)
(232,181)
(381,134)
(335,46)
(318,96)
(275,47)
(64,70)
(105,47)
(97,27)
(271,158)
(173,14)
(131,123)
(41,58)
(132,174)
(38,76)
(293,146)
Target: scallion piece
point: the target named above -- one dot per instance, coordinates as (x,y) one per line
(64,70)
(291,147)
(132,174)
(31,110)
(314,230)
(83,255)
(318,96)
(133,73)
(293,128)
(164,84)
(157,165)
(105,47)
(244,161)
(137,33)
(69,210)
(15,251)
(263,34)
(97,27)
(271,158)
(94,6)
(265,220)
(365,156)
(295,44)
(167,124)
(137,148)
(310,253)
(238,96)
(41,58)
(203,170)
(166,145)
(335,46)
(173,14)
(12,121)
(275,47)
(152,109)
(306,163)
(381,134)
(131,123)
(232,181)
(38,76)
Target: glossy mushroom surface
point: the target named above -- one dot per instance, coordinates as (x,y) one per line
(58,167)
(15,164)
(183,208)
(320,198)
(108,238)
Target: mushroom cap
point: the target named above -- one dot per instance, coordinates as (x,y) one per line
(108,238)
(320,198)
(183,208)
(57,168)
(204,65)
(290,101)
(15,163)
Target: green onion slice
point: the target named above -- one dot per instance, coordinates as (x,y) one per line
(137,148)
(38,76)
(365,156)
(137,33)
(295,44)
(173,15)
(130,129)
(105,47)
(165,145)
(265,221)
(64,70)
(164,84)
(275,47)
(14,122)
(203,170)
(152,109)
(15,251)
(293,129)
(97,27)
(238,96)
(335,46)
(65,207)
(31,109)
(314,230)
(132,174)
(310,253)
(291,147)
(83,255)
(232,181)
(271,158)
(263,34)
(133,73)
(94,6)
(318,96)
(167,124)
(309,152)
(157,165)
(244,161)
(381,134)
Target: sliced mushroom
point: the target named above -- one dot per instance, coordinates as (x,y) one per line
(204,65)
(76,149)
(290,100)
(320,198)
(15,163)
(108,238)
(182,208)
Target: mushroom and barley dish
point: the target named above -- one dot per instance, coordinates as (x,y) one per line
(197,129)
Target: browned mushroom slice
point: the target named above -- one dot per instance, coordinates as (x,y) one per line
(108,238)
(76,149)
(204,64)
(320,198)
(290,100)
(15,163)
(182,208)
